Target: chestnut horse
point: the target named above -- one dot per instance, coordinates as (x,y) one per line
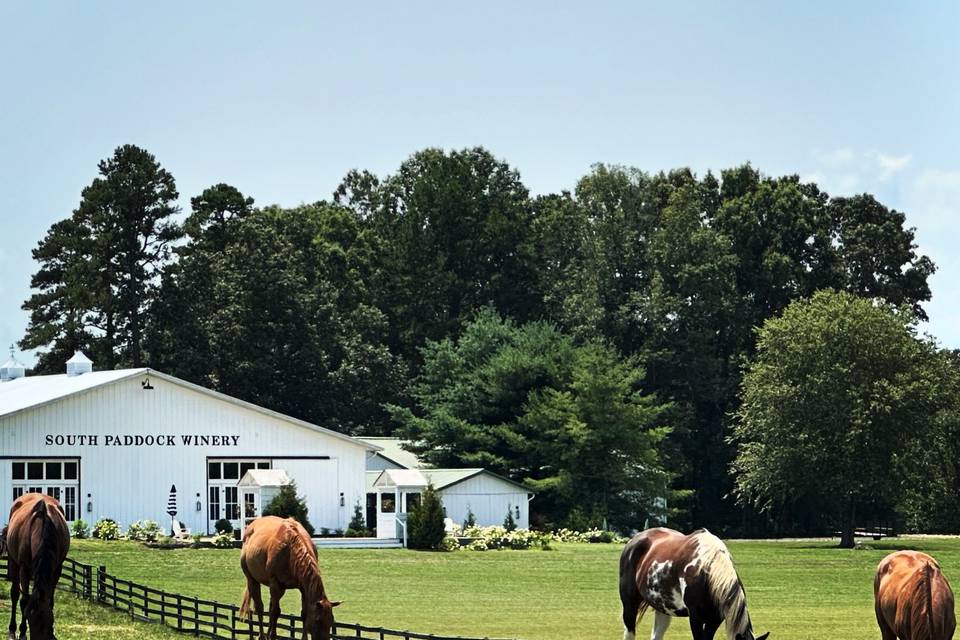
(37,541)
(279,553)
(913,599)
(682,576)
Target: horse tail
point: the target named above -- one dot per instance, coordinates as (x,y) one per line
(3,541)
(245,605)
(44,561)
(634,606)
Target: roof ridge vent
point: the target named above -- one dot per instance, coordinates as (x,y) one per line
(79,364)
(11,369)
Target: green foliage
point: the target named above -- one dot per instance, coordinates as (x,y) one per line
(839,396)
(528,403)
(471,520)
(222,541)
(223,526)
(99,266)
(425,521)
(79,529)
(287,504)
(490,538)
(106,529)
(143,531)
(509,523)
(357,527)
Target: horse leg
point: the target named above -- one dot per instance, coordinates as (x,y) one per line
(253,587)
(696,628)
(275,594)
(14,598)
(660,624)
(710,629)
(631,608)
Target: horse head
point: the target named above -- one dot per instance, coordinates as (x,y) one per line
(320,619)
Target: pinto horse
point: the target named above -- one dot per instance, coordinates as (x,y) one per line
(37,541)
(279,553)
(913,599)
(682,576)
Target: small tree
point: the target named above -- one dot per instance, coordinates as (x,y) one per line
(471,520)
(509,523)
(287,504)
(357,527)
(425,521)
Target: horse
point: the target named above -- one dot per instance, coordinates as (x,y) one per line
(279,553)
(683,576)
(912,598)
(37,541)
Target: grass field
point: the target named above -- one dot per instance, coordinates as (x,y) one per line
(797,590)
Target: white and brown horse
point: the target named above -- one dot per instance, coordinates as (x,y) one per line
(913,599)
(36,541)
(279,553)
(687,576)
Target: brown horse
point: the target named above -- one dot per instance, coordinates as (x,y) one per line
(37,541)
(280,554)
(683,576)
(913,599)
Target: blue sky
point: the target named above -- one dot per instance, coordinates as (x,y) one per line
(282,99)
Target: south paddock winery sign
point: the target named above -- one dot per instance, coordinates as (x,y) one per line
(158,440)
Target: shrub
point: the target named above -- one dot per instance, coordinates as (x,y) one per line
(223,541)
(287,504)
(509,523)
(144,531)
(106,529)
(357,527)
(471,520)
(197,537)
(223,526)
(590,535)
(485,538)
(164,541)
(79,529)
(425,521)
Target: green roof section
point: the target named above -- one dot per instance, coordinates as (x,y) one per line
(392,449)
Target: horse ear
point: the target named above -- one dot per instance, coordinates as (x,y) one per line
(336,604)
(763,637)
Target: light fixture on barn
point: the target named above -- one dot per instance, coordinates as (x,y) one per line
(146,384)
(89,504)
(199,506)
(342,502)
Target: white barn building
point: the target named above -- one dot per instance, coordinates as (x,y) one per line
(109,444)
(397,477)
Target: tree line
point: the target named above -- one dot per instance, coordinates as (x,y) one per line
(590,343)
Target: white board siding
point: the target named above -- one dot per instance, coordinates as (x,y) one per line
(488,497)
(130,483)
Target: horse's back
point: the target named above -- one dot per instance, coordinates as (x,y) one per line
(267,541)
(913,598)
(20,541)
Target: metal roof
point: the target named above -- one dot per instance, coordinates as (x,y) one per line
(35,391)
(392,450)
(264,478)
(440,478)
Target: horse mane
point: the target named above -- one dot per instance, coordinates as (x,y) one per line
(45,559)
(303,561)
(725,586)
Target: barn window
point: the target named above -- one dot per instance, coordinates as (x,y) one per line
(34,471)
(213,470)
(231,471)
(69,470)
(54,470)
(215,503)
(19,471)
(58,479)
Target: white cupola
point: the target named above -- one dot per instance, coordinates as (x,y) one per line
(79,364)
(11,369)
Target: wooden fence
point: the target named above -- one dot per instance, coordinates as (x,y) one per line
(198,617)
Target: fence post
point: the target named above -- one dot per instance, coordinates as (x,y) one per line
(87,581)
(102,584)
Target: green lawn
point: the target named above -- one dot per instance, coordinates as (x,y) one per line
(796,590)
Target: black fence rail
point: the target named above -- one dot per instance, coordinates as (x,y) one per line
(196,616)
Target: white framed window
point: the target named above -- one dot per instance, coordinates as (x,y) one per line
(57,478)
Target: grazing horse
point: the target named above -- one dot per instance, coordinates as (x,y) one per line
(682,576)
(37,541)
(913,599)
(279,553)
